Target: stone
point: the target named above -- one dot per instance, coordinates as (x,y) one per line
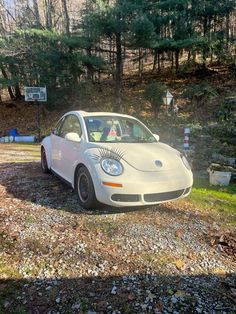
(75,306)
(114,290)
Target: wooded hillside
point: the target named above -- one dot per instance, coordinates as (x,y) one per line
(64,43)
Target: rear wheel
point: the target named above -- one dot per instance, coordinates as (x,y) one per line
(44,163)
(85,189)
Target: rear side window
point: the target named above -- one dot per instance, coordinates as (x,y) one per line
(70,124)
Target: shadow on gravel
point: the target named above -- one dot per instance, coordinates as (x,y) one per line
(123,294)
(25,181)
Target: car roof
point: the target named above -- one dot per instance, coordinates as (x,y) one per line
(98,113)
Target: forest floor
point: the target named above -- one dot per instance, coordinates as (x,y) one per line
(177,257)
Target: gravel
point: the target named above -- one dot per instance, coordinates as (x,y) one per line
(58,258)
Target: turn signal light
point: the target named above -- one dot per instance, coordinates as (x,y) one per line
(114,185)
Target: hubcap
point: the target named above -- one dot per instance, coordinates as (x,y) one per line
(83,187)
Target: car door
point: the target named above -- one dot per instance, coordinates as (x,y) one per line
(69,150)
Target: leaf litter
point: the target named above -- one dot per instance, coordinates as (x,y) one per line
(58,258)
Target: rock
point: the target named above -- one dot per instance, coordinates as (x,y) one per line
(224,159)
(58,300)
(75,306)
(150,297)
(6,304)
(114,290)
(143,306)
(174,299)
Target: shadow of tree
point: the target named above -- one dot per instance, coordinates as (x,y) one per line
(25,181)
(128,293)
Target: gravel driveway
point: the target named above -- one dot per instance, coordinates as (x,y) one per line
(57,258)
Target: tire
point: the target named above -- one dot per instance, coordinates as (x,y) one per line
(85,189)
(44,163)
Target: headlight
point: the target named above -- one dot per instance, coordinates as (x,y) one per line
(111,166)
(185,162)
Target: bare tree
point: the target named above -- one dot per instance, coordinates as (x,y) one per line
(48,13)
(36,13)
(66,19)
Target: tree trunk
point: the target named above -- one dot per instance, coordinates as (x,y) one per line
(176,60)
(189,55)
(227,31)
(205,28)
(154,60)
(48,13)
(36,13)
(66,20)
(90,72)
(139,63)
(17,92)
(9,88)
(119,70)
(158,61)
(110,52)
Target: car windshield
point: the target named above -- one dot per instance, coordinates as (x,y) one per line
(117,129)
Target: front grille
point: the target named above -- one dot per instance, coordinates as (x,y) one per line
(125,197)
(159,197)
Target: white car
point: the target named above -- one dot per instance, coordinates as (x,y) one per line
(114,159)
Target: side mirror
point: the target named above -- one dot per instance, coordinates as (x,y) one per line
(72,136)
(157,137)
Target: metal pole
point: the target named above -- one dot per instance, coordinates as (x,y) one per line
(39,120)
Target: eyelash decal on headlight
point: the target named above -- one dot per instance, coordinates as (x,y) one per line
(115,153)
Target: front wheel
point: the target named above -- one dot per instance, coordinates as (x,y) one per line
(44,163)
(85,189)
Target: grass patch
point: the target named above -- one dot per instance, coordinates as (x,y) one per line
(154,260)
(222,199)
(7,271)
(108,228)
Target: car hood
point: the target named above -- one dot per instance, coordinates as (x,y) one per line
(142,156)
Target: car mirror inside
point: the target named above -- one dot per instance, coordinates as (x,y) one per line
(72,136)
(157,137)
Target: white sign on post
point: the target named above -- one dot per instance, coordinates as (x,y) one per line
(35,94)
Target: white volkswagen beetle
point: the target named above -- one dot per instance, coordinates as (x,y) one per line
(114,159)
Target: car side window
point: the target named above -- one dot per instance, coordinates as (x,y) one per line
(71,124)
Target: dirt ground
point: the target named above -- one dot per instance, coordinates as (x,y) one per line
(58,258)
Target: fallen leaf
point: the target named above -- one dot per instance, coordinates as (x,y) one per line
(219,271)
(178,233)
(179,264)
(131,296)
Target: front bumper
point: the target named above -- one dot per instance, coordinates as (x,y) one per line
(143,188)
